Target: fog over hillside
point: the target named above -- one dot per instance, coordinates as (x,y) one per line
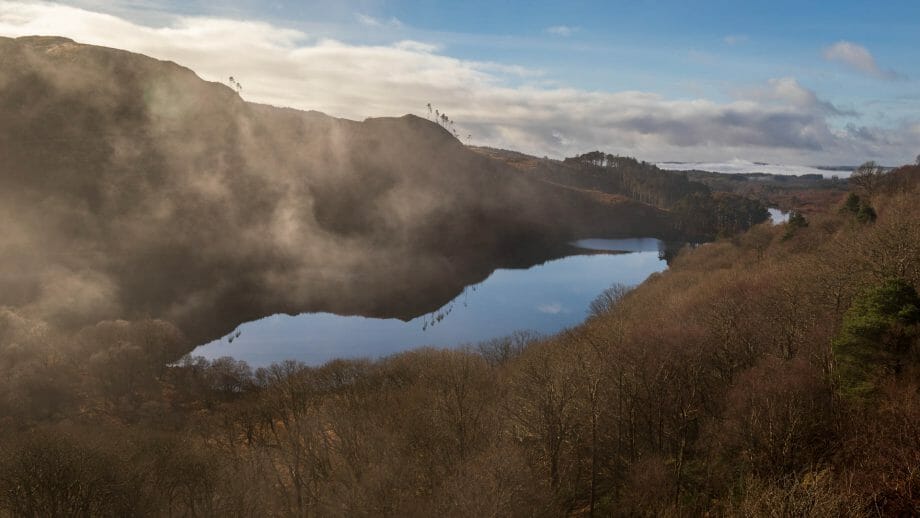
(133,189)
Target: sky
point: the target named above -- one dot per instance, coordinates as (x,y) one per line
(804,82)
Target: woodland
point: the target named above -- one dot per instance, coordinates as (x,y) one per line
(775,372)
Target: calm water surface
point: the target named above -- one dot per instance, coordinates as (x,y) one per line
(778,217)
(546,298)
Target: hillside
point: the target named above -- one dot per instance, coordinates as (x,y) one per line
(130,188)
(699,211)
(599,171)
(808,193)
(776,373)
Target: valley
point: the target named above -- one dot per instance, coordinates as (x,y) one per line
(217,307)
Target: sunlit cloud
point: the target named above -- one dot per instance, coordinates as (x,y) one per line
(562,30)
(499,104)
(370,21)
(735,39)
(550,309)
(787,91)
(859,59)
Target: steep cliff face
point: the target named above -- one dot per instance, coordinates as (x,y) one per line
(130,188)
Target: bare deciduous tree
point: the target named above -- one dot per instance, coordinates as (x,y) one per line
(608,299)
(867,177)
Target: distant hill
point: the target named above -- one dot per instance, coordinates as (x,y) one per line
(608,173)
(131,188)
(700,208)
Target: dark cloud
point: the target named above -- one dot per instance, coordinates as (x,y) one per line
(733,128)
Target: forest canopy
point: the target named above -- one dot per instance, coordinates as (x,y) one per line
(768,373)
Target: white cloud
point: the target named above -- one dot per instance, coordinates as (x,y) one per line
(495,102)
(858,58)
(562,30)
(416,46)
(787,91)
(370,21)
(735,39)
(550,309)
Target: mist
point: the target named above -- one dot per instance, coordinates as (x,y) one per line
(132,189)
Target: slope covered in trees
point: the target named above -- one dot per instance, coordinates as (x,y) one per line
(696,212)
(597,171)
(640,180)
(806,192)
(775,373)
